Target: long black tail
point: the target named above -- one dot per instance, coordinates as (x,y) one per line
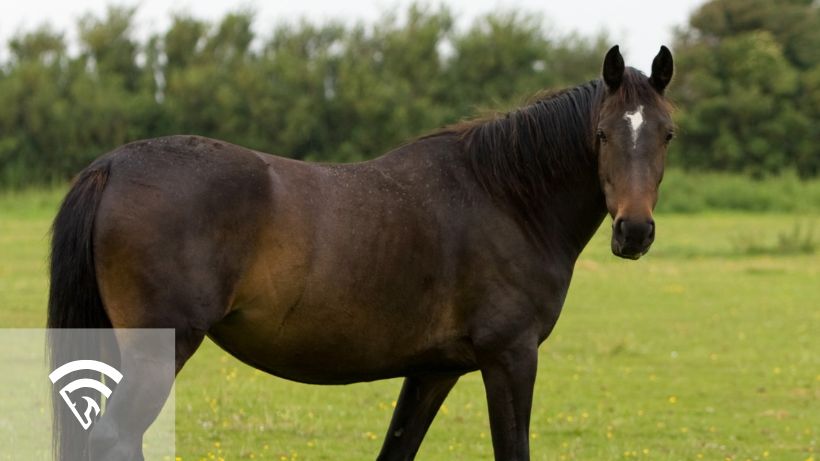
(74,299)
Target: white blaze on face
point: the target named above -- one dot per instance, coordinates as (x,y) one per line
(635,120)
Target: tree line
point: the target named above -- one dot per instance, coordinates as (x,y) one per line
(748,88)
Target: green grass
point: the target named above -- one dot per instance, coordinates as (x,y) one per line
(701,350)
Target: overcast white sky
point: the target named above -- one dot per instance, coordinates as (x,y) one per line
(639,26)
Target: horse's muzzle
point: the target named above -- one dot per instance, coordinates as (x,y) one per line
(631,239)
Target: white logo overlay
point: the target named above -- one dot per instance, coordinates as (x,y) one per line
(86,418)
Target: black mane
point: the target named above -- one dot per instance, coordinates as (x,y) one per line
(528,149)
(546,139)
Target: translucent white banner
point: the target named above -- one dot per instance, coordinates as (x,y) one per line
(108,393)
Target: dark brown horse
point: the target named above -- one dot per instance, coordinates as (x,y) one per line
(450,254)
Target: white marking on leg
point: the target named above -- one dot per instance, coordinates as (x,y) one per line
(635,120)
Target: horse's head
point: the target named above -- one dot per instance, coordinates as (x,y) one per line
(634,127)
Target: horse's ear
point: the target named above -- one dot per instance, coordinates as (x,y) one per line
(662,68)
(613,68)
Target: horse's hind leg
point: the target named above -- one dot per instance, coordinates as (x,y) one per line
(418,404)
(148,369)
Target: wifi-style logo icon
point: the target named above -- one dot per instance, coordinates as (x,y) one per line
(87,418)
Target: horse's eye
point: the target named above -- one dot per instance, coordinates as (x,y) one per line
(601,135)
(669,136)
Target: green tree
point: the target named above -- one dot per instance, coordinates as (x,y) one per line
(387,85)
(504,57)
(204,76)
(297,90)
(794,24)
(35,115)
(112,94)
(108,46)
(746,90)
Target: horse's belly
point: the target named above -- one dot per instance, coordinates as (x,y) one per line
(326,352)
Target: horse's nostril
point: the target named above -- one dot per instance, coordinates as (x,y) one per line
(635,231)
(622,226)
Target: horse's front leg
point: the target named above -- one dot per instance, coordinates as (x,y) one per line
(509,377)
(419,401)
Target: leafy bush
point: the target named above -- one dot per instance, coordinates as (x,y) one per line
(688,192)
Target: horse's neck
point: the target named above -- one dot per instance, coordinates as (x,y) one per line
(577,210)
(574,211)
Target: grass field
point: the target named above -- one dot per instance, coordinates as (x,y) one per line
(708,348)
